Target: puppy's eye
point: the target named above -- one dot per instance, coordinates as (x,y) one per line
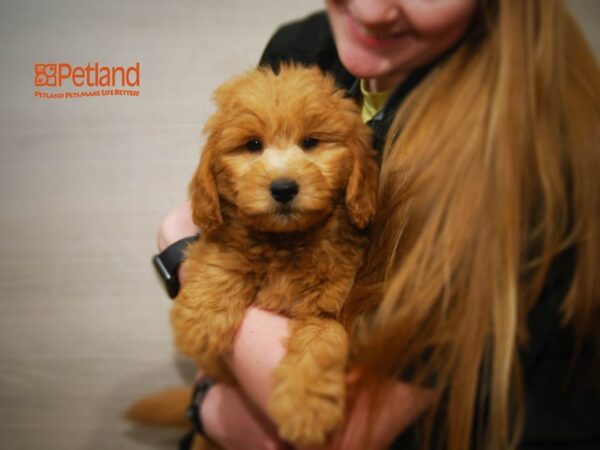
(309,142)
(254,145)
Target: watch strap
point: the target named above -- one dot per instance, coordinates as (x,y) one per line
(167,262)
(198,395)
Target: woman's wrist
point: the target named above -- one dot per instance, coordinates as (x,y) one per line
(168,264)
(176,231)
(201,390)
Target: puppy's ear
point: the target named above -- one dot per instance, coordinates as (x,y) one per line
(204,196)
(361,192)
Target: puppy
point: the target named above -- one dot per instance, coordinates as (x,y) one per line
(285,187)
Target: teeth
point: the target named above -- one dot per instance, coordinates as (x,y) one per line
(375,34)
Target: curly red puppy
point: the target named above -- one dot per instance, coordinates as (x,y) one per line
(284,189)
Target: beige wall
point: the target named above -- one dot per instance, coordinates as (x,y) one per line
(83,186)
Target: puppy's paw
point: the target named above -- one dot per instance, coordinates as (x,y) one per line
(307,408)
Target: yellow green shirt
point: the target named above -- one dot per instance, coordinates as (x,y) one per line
(372,102)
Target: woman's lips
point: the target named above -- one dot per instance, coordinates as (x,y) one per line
(373,38)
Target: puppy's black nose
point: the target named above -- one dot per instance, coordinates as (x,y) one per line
(284,190)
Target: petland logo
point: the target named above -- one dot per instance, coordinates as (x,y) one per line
(106,80)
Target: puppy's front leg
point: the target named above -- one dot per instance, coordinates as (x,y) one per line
(308,399)
(207,312)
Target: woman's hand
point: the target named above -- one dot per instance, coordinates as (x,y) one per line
(231,421)
(401,405)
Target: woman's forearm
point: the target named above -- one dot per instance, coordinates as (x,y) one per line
(176,225)
(258,349)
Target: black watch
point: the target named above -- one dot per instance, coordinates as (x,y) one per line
(193,413)
(167,262)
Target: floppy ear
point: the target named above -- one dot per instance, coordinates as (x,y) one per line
(361,192)
(204,196)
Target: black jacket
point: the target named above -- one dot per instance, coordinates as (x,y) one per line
(563,412)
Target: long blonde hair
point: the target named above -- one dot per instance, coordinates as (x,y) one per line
(490,172)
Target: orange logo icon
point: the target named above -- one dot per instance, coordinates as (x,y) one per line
(45,74)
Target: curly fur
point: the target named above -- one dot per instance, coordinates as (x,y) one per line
(298,258)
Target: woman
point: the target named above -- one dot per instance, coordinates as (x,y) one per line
(479,289)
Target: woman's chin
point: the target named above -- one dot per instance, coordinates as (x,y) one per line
(362,64)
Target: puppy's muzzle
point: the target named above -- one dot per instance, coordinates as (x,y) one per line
(284,190)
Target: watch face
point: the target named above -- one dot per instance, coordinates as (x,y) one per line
(167,276)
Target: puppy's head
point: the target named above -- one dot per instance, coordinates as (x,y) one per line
(284,148)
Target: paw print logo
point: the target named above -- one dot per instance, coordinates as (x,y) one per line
(45,74)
